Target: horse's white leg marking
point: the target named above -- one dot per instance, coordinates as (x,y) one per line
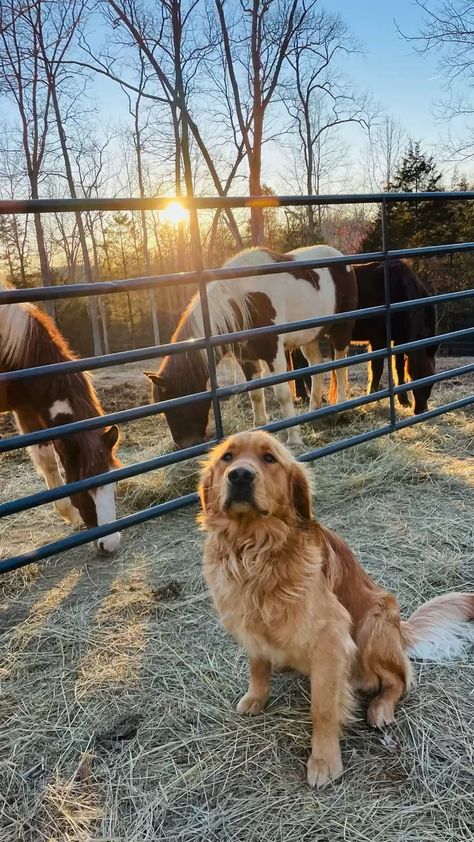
(313,355)
(341,376)
(104,499)
(60,408)
(258,400)
(283,394)
(45,460)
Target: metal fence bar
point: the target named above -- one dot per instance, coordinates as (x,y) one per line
(50,495)
(10,206)
(209,342)
(126,415)
(388,317)
(97,532)
(17,296)
(88,535)
(41,497)
(211,359)
(136,413)
(104,361)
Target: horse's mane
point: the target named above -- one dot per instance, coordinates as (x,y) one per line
(30,338)
(229,311)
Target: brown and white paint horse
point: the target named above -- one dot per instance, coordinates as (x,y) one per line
(253,302)
(29,338)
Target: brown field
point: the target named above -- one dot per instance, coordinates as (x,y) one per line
(118,685)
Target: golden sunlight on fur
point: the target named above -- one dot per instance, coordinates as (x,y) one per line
(295,596)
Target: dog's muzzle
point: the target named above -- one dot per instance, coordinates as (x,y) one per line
(240,485)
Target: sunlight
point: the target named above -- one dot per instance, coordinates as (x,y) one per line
(174,213)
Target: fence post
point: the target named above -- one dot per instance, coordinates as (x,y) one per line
(211,360)
(388,312)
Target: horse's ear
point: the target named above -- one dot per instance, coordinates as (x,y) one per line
(155,378)
(111,436)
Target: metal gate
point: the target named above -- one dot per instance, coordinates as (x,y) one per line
(201,277)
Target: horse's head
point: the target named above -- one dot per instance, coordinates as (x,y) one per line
(84,456)
(188,423)
(422,363)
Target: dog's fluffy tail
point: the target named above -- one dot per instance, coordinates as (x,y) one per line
(441,629)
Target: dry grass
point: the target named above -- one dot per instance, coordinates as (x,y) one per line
(118,685)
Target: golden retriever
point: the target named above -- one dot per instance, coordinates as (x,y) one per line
(295,596)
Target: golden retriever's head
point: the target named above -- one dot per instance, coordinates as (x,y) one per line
(252,475)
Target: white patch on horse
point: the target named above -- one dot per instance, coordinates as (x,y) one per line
(14,326)
(60,407)
(104,499)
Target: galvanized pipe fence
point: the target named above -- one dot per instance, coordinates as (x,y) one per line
(201,278)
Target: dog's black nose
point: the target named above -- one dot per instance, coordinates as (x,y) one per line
(241,476)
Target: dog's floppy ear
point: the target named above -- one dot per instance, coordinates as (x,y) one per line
(205,485)
(300,492)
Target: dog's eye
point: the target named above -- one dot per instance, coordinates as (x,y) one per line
(268,457)
(227,457)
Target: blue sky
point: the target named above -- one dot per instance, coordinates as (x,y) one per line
(405,83)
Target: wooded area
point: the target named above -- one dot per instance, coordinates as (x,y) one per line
(208,92)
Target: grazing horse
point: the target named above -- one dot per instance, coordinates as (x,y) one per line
(406,326)
(29,338)
(252,302)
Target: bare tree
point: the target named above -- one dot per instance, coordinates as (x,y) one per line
(448,30)
(319,98)
(15,228)
(54,27)
(386,143)
(257,38)
(21,79)
(161,35)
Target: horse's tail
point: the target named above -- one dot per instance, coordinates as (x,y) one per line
(442,628)
(332,393)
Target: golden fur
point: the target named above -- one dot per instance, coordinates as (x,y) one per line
(294,595)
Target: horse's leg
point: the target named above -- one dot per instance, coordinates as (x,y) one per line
(341,376)
(283,393)
(302,386)
(253,371)
(403,397)
(312,352)
(45,461)
(375,373)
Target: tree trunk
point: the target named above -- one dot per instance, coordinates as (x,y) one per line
(255,159)
(91,302)
(146,252)
(102,307)
(194,232)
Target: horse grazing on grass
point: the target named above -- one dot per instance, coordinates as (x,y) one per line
(29,338)
(245,303)
(406,326)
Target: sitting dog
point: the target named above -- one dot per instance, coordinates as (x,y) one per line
(295,596)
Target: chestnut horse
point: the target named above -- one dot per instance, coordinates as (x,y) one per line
(29,338)
(252,302)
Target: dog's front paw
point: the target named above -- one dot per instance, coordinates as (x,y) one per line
(321,770)
(249,705)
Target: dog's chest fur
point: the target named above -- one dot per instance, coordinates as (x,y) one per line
(266,604)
